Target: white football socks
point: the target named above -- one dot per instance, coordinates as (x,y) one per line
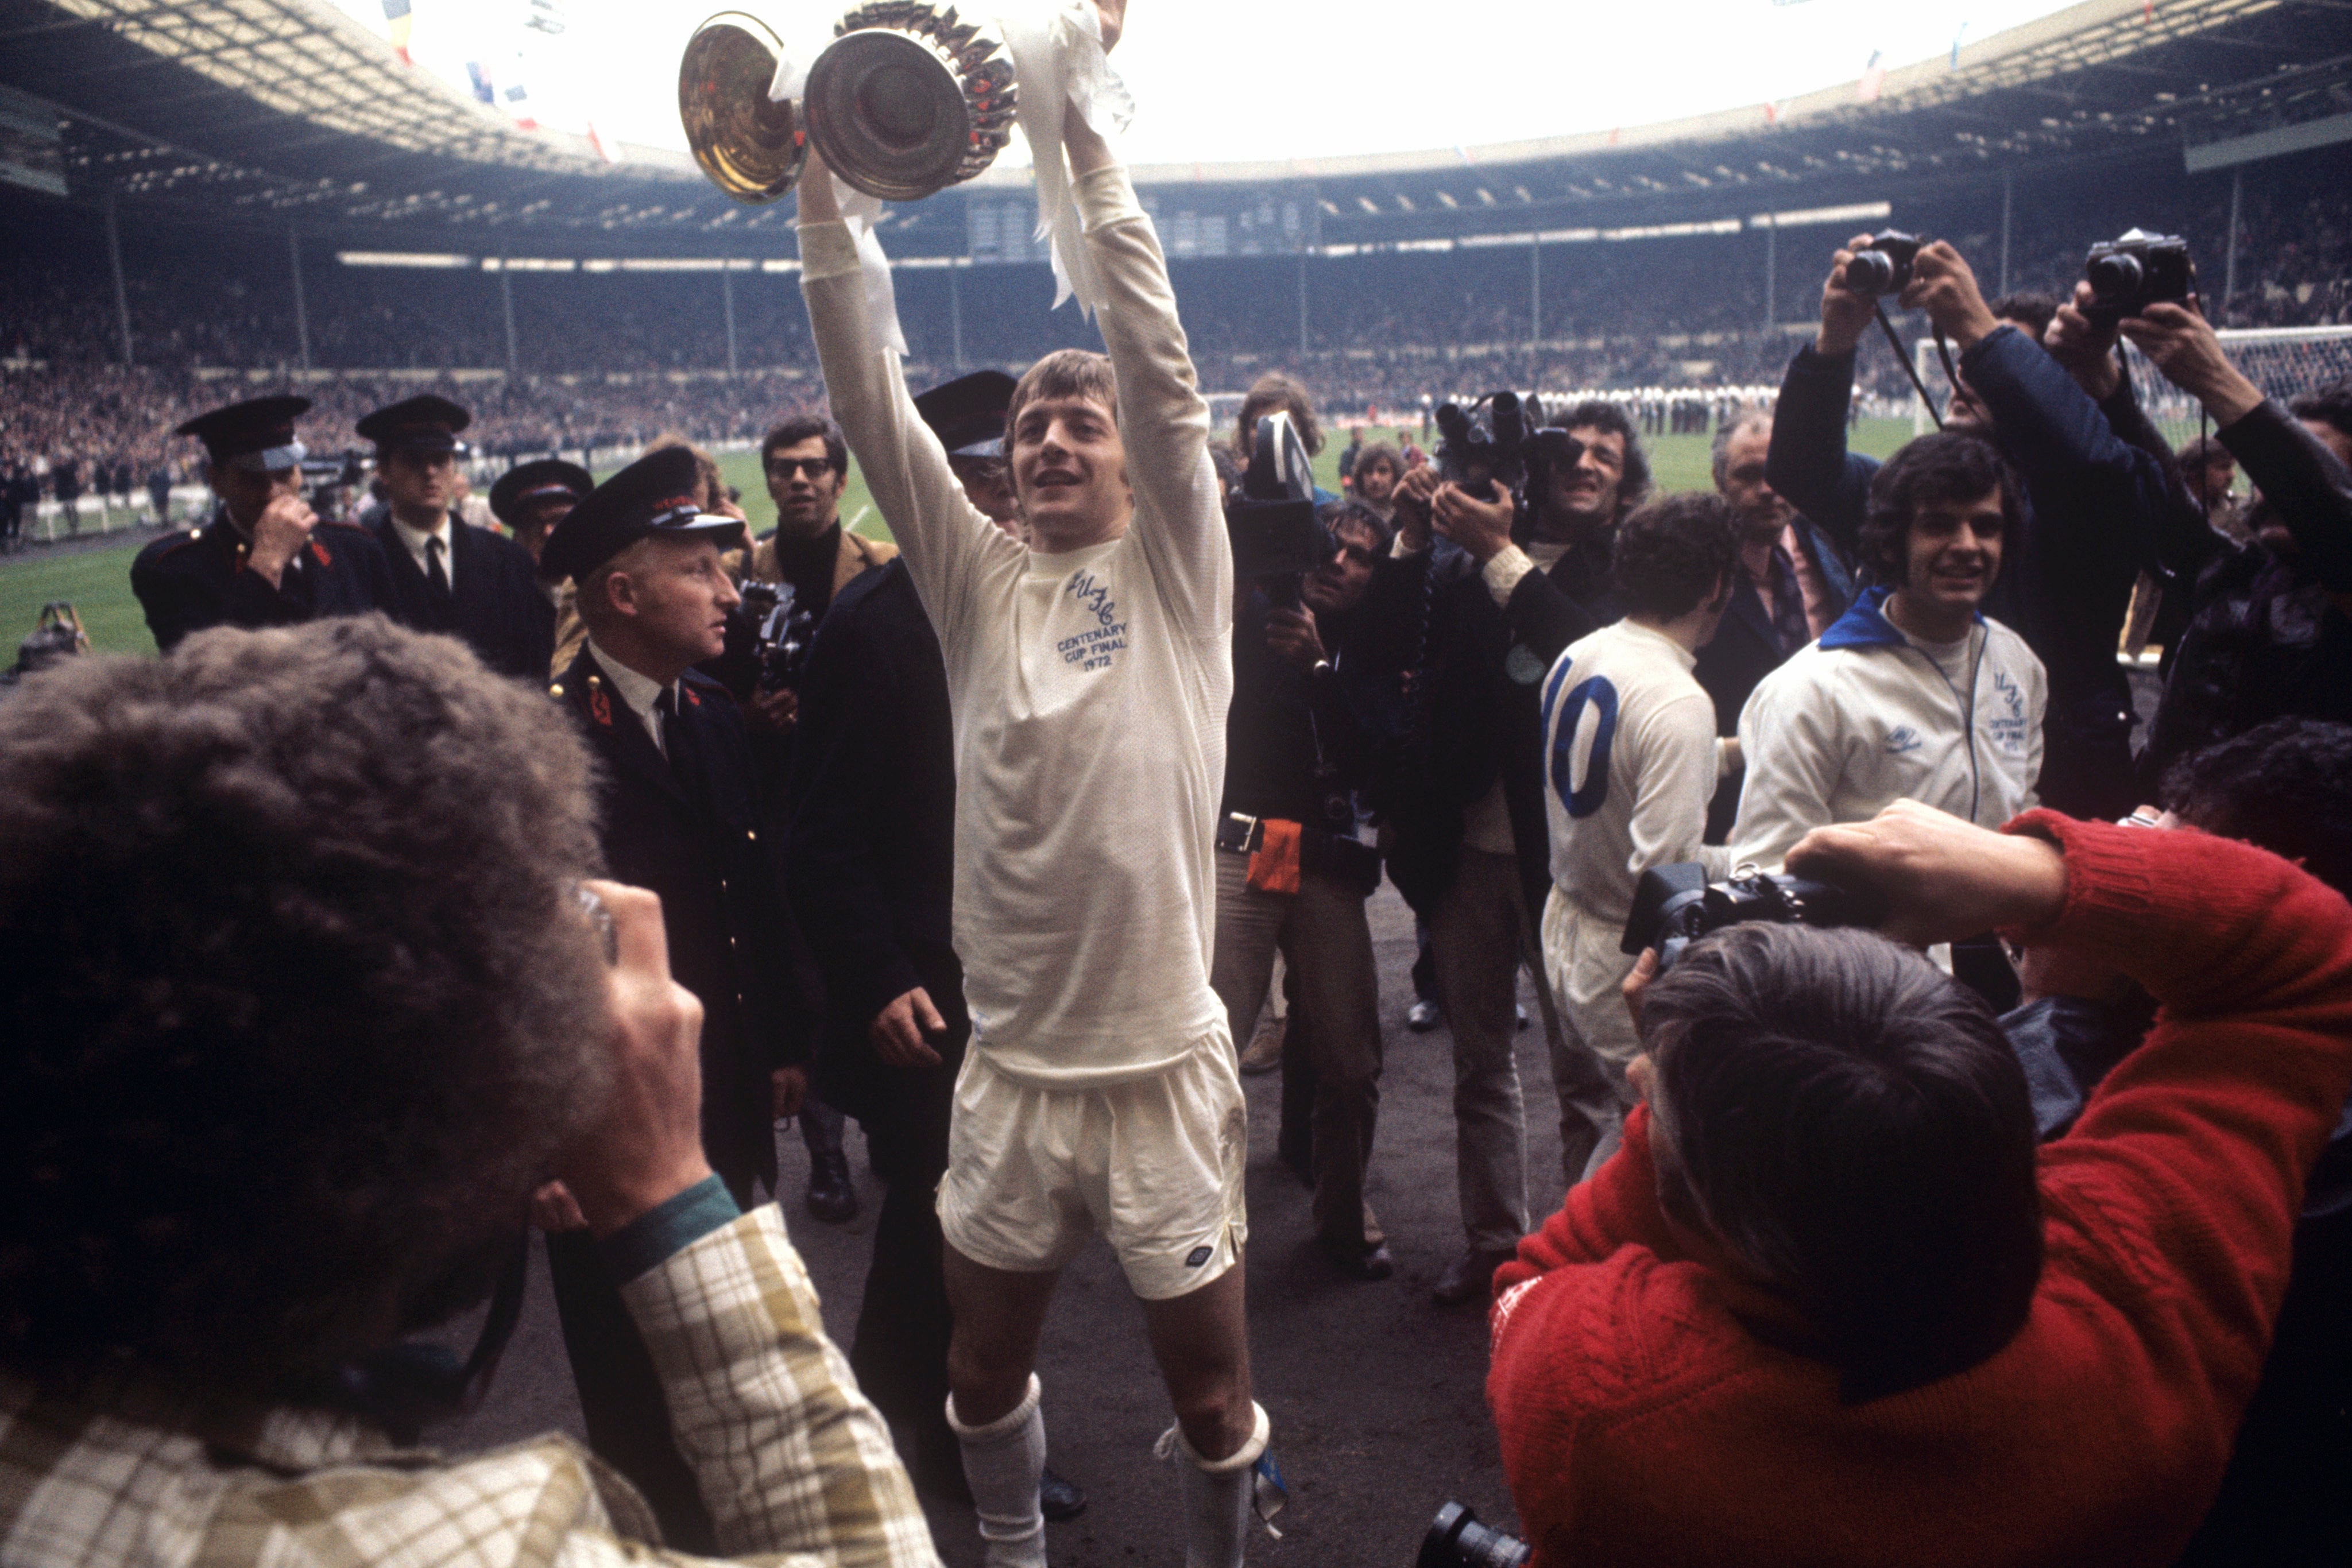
(1002,1461)
(1218,1495)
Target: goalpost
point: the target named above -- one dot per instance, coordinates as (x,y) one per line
(2284,361)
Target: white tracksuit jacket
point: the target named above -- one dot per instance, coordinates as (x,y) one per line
(1867,716)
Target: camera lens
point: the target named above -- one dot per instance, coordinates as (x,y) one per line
(1870,272)
(2115,276)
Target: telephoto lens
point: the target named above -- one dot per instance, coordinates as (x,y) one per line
(1456,1540)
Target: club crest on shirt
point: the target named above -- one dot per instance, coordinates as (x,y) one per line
(321,551)
(600,707)
(1092,648)
(1903,741)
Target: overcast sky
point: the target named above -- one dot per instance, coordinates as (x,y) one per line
(1219,80)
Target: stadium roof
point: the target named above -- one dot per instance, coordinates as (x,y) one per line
(280,110)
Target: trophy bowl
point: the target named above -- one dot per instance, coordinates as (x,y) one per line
(910,99)
(750,148)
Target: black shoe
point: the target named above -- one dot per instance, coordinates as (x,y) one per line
(1362,1263)
(1059,1498)
(831,1197)
(1469,1277)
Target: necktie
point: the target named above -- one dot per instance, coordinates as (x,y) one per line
(1789,624)
(437,576)
(678,743)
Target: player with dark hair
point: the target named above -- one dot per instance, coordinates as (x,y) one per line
(1914,693)
(2096,488)
(1630,761)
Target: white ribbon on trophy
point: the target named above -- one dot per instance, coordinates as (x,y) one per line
(1059,65)
(858,210)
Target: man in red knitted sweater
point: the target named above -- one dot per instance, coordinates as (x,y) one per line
(1828,1306)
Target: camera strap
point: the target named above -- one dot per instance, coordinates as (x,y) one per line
(1896,342)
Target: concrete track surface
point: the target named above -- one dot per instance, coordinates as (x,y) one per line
(1377,1393)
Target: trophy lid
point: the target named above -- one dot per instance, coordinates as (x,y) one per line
(750,148)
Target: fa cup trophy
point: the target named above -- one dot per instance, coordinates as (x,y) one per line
(907,98)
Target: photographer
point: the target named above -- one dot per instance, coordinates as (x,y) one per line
(1888,1329)
(1292,875)
(298,1030)
(2287,788)
(2094,507)
(2268,635)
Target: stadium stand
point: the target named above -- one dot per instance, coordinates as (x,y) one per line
(586,303)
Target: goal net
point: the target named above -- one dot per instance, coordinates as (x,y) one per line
(2284,361)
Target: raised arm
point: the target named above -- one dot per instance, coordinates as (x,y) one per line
(1164,419)
(942,535)
(2303,480)
(1807,462)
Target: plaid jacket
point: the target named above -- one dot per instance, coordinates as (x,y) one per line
(795,1466)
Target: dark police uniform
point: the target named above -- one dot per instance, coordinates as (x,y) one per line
(490,597)
(186,583)
(684,825)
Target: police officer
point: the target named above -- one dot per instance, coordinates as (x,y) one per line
(531,497)
(452,577)
(680,816)
(264,558)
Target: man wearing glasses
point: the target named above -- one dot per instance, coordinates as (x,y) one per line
(806,463)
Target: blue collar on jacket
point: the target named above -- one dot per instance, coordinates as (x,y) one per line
(1864,625)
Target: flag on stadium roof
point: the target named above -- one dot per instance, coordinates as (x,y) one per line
(396,13)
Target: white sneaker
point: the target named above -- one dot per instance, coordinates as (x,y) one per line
(1423,1016)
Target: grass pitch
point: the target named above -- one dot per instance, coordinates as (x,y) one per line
(98,581)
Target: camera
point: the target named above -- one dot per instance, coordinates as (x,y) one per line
(1271,517)
(781,631)
(1456,1540)
(2140,269)
(1486,441)
(1884,266)
(1674,906)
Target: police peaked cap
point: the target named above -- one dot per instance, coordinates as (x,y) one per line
(968,413)
(256,435)
(655,494)
(528,482)
(422,423)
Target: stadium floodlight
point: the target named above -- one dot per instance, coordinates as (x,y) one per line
(1858,212)
(402,258)
(1671,231)
(528,264)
